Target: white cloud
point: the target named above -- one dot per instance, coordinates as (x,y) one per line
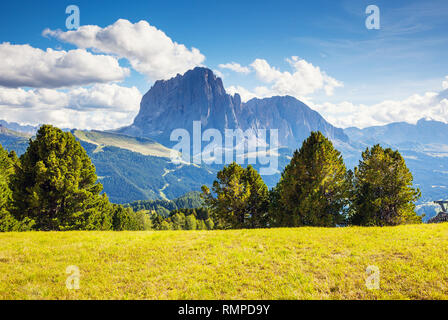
(218,73)
(25,66)
(445,83)
(243,92)
(105,96)
(102,106)
(236,67)
(346,114)
(430,105)
(149,50)
(304,80)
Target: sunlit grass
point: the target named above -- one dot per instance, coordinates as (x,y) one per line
(300,263)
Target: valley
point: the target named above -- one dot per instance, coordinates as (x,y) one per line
(134,162)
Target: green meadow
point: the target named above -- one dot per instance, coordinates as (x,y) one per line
(287,263)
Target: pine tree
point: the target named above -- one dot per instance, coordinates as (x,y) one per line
(258,202)
(191,222)
(209,224)
(8,163)
(6,170)
(201,225)
(166,225)
(178,221)
(241,198)
(56,185)
(313,189)
(127,219)
(382,190)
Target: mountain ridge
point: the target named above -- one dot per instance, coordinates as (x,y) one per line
(199,95)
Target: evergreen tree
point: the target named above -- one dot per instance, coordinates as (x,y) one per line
(209,224)
(128,219)
(156,220)
(55,185)
(8,163)
(121,219)
(382,190)
(179,221)
(241,198)
(166,225)
(6,170)
(313,189)
(191,222)
(201,225)
(258,202)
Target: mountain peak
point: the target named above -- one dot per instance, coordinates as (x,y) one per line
(199,95)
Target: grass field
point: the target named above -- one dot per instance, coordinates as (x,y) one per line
(300,263)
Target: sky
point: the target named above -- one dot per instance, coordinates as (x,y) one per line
(321,52)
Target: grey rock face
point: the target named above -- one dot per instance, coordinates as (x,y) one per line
(199,95)
(294,119)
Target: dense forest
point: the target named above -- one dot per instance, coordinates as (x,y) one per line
(189,200)
(53,186)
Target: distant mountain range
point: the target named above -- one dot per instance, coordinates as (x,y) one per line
(133,162)
(18,127)
(423,132)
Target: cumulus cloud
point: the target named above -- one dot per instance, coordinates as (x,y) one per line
(102,106)
(25,66)
(305,79)
(246,95)
(149,50)
(431,105)
(105,96)
(218,73)
(346,114)
(236,67)
(445,83)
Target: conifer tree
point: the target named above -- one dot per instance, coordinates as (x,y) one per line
(313,189)
(6,169)
(241,198)
(191,222)
(178,221)
(209,224)
(382,190)
(258,202)
(56,185)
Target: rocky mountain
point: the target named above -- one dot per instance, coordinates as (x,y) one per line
(199,95)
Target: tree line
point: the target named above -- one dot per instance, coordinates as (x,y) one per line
(53,186)
(316,189)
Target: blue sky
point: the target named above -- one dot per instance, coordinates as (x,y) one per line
(405,57)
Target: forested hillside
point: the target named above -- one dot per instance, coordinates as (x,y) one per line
(163,207)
